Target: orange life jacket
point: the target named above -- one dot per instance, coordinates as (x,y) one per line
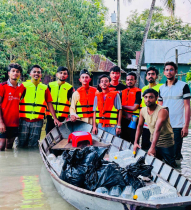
(84,107)
(106,113)
(128,99)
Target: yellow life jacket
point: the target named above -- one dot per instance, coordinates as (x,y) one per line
(60,101)
(33,105)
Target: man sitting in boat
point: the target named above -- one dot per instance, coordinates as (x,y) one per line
(107,109)
(61,93)
(131,100)
(83,100)
(157,118)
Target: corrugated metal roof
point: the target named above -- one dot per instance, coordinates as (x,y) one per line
(161,51)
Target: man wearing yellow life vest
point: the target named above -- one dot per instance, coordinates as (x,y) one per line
(83,100)
(151,76)
(32,109)
(131,100)
(107,109)
(61,93)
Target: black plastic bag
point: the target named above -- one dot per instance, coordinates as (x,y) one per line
(108,175)
(79,162)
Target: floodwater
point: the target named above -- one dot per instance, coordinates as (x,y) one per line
(26,184)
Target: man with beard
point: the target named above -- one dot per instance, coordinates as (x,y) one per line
(107,109)
(114,85)
(175,95)
(33,108)
(83,99)
(61,93)
(131,100)
(157,118)
(11,93)
(151,77)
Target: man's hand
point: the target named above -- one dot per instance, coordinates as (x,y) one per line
(2,127)
(57,122)
(94,131)
(184,132)
(73,118)
(135,146)
(118,131)
(152,151)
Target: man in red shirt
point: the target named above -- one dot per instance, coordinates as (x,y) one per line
(10,94)
(32,109)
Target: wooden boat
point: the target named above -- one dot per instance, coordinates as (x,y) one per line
(85,199)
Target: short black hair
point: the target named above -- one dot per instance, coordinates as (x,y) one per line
(62,68)
(115,69)
(102,76)
(152,68)
(132,74)
(15,66)
(151,90)
(35,66)
(171,63)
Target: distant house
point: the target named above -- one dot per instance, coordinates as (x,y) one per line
(158,51)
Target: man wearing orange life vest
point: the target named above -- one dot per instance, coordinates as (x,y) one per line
(107,109)
(32,109)
(83,100)
(131,100)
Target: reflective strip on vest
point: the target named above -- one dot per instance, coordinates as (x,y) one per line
(33,106)
(60,101)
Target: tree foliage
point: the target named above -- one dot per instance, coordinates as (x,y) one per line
(162,27)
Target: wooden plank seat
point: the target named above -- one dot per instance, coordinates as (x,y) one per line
(64,145)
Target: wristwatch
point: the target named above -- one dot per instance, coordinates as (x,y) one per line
(118,126)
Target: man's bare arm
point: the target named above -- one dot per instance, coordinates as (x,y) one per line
(184,131)
(131,108)
(2,125)
(139,131)
(94,131)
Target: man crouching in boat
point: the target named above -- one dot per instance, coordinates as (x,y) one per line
(157,118)
(83,100)
(107,109)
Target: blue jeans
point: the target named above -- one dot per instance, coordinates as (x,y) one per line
(111,130)
(177,143)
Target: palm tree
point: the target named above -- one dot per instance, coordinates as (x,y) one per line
(170,5)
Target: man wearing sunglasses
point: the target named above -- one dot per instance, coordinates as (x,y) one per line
(175,95)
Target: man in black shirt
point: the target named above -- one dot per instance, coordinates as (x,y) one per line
(114,83)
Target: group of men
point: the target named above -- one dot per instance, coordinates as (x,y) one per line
(110,107)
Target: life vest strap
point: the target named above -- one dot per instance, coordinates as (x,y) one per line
(82,106)
(32,104)
(28,112)
(106,118)
(88,112)
(56,111)
(57,103)
(113,112)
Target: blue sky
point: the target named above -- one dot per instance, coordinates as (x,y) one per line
(183,8)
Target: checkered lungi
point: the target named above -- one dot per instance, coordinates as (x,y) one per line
(29,133)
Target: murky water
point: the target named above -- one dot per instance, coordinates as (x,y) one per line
(26,184)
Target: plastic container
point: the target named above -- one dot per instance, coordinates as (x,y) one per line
(123,158)
(102,190)
(166,188)
(144,193)
(128,192)
(115,191)
(163,196)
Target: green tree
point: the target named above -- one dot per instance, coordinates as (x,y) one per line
(71,27)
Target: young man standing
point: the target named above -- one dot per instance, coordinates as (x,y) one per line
(114,84)
(107,109)
(10,94)
(83,100)
(151,76)
(33,108)
(131,100)
(61,93)
(157,118)
(175,95)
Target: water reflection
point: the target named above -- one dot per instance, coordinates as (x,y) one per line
(26,184)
